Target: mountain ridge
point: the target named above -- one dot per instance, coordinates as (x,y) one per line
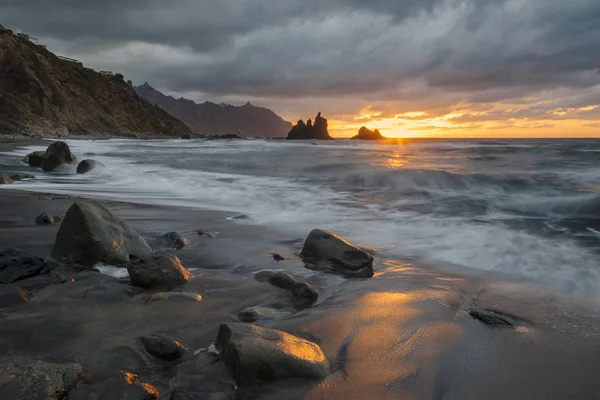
(209,118)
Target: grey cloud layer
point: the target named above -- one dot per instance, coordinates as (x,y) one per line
(438,52)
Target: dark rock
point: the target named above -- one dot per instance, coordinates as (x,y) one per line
(186,137)
(34,159)
(278,257)
(493,318)
(253,314)
(180,394)
(22,379)
(5,179)
(44,219)
(90,234)
(339,254)
(88,165)
(301,291)
(158,270)
(366,134)
(16,265)
(163,347)
(20,177)
(117,386)
(173,240)
(203,233)
(58,153)
(318,130)
(255,354)
(240,217)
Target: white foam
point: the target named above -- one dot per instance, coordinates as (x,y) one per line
(111,270)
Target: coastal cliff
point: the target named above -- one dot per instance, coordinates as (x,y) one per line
(219,119)
(41,93)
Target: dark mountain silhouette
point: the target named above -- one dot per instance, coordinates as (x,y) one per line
(366,134)
(219,119)
(42,93)
(308,130)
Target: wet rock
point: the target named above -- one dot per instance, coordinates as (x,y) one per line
(117,386)
(255,354)
(165,296)
(180,394)
(163,347)
(204,233)
(5,179)
(44,219)
(20,177)
(253,314)
(326,246)
(173,240)
(16,265)
(493,318)
(301,291)
(278,257)
(23,379)
(239,217)
(158,270)
(34,159)
(186,137)
(88,165)
(90,234)
(57,153)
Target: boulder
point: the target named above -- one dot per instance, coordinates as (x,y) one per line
(366,134)
(5,179)
(326,246)
(44,219)
(158,270)
(301,291)
(163,347)
(34,159)
(278,257)
(173,240)
(493,318)
(90,233)
(16,265)
(255,354)
(23,379)
(57,153)
(88,165)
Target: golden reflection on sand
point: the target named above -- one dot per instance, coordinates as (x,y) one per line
(392,339)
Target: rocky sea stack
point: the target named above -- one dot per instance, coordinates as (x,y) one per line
(366,134)
(309,130)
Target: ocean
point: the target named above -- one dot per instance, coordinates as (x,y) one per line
(517,210)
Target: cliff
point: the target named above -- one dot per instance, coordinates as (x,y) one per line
(41,93)
(308,130)
(366,134)
(219,119)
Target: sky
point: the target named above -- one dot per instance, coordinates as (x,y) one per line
(411,68)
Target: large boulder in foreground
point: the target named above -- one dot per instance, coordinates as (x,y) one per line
(255,354)
(16,265)
(58,153)
(158,271)
(22,379)
(326,246)
(90,234)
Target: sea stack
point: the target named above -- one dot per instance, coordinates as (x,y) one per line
(309,130)
(367,134)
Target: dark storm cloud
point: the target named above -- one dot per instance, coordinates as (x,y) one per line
(433,54)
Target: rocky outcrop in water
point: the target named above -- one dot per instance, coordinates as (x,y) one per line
(219,120)
(88,165)
(158,271)
(323,249)
(57,153)
(163,347)
(255,354)
(309,130)
(91,234)
(43,94)
(174,240)
(366,134)
(302,291)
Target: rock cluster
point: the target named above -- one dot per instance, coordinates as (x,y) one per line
(308,130)
(367,134)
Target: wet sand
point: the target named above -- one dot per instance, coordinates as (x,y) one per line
(404,334)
